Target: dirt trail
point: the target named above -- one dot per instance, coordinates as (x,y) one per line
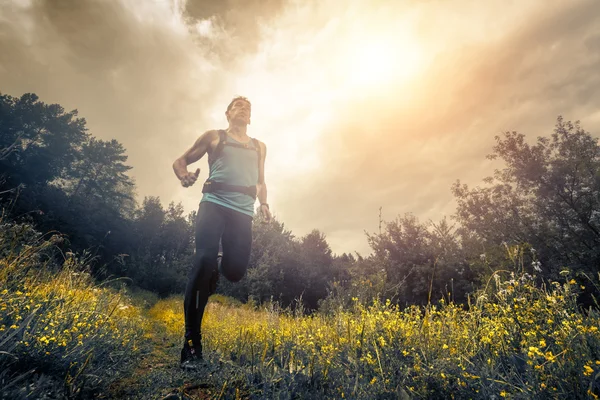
(158,375)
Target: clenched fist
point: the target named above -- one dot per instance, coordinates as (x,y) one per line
(266,213)
(189,178)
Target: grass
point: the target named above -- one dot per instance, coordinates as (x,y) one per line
(59,331)
(525,342)
(62,334)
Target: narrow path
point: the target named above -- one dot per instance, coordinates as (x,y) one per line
(158,375)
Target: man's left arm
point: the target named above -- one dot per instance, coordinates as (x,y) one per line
(261,188)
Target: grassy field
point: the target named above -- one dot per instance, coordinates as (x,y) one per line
(59,331)
(63,335)
(528,343)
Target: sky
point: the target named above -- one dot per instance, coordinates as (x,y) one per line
(362,104)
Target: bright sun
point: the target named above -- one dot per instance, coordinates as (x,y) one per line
(377,62)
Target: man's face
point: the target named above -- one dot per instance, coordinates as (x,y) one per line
(239,112)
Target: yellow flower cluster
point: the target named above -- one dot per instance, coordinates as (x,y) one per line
(459,347)
(63,316)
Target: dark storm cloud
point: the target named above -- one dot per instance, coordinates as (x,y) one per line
(242,19)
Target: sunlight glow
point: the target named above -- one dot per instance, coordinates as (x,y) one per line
(303,77)
(377,62)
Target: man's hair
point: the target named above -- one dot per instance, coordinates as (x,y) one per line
(236,99)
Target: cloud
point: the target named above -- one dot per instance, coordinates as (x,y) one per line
(407,154)
(127,67)
(155,74)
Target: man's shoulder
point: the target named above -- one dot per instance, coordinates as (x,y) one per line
(213,133)
(209,136)
(260,143)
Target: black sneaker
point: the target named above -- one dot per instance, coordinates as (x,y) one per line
(214,279)
(191,355)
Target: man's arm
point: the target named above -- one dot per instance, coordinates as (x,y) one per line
(261,188)
(192,155)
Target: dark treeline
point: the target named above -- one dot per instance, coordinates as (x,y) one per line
(545,199)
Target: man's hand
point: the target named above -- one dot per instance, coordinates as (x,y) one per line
(193,154)
(189,179)
(265,212)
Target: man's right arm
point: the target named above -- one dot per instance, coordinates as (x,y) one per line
(192,155)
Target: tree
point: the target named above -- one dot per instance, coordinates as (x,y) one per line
(164,247)
(100,173)
(273,257)
(547,195)
(41,146)
(317,261)
(421,262)
(37,141)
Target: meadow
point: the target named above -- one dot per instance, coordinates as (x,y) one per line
(63,335)
(525,343)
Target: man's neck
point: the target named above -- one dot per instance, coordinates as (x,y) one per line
(238,131)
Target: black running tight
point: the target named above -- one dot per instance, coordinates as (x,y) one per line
(215,223)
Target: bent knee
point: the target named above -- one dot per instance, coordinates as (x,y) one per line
(235,275)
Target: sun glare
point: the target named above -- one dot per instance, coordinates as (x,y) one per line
(379,62)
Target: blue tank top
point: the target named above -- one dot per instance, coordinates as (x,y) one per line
(235,166)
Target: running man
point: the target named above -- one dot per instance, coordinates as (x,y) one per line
(236,179)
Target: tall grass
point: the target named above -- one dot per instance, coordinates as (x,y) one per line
(517,340)
(60,333)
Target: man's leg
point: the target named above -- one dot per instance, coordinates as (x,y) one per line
(210,223)
(214,280)
(237,244)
